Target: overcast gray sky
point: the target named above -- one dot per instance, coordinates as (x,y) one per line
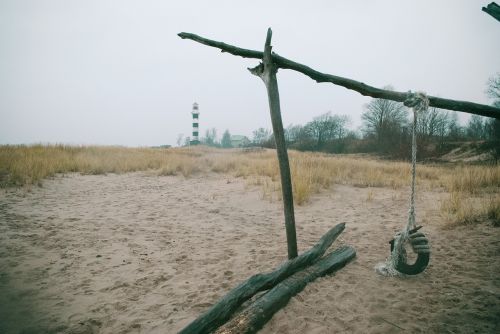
(115,72)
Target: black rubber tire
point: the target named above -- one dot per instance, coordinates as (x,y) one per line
(412,269)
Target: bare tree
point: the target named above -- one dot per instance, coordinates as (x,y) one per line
(210,137)
(180,138)
(260,136)
(384,120)
(301,137)
(433,124)
(455,131)
(292,133)
(493,90)
(326,127)
(476,127)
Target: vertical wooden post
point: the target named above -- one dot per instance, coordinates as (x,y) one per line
(267,72)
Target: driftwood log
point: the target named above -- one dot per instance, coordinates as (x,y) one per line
(262,310)
(267,72)
(227,305)
(360,87)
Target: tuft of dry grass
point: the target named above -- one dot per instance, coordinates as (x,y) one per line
(458,209)
(491,209)
(474,179)
(369,196)
(461,208)
(473,194)
(473,190)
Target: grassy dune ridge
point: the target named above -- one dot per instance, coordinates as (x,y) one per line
(474,191)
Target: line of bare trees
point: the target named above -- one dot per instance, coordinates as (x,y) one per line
(320,134)
(386,129)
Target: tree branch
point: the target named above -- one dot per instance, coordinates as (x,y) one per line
(493,9)
(360,87)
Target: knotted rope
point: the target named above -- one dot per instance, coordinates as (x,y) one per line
(419,103)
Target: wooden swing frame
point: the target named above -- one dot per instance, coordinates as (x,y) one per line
(267,71)
(291,277)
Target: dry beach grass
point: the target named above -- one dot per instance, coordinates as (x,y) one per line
(121,240)
(473,189)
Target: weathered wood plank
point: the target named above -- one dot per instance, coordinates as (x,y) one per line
(262,310)
(221,311)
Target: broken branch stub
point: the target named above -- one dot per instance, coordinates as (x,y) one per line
(493,9)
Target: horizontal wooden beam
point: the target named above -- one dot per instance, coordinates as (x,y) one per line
(360,87)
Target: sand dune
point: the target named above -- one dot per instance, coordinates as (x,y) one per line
(138,253)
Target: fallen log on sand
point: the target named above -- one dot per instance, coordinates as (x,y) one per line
(219,313)
(257,314)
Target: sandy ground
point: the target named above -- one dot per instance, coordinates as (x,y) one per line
(137,253)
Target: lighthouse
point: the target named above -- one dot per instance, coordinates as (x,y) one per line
(195,113)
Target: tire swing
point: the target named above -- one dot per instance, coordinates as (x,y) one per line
(397,262)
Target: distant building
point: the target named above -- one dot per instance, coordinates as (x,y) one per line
(196,131)
(239,141)
(162,146)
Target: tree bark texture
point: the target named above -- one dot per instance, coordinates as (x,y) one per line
(267,72)
(360,87)
(221,311)
(255,316)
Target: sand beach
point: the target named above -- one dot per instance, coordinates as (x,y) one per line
(141,253)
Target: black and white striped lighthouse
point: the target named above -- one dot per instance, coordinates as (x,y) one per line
(195,113)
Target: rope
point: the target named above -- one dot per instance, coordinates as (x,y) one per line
(419,103)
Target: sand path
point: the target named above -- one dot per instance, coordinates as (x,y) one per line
(137,253)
